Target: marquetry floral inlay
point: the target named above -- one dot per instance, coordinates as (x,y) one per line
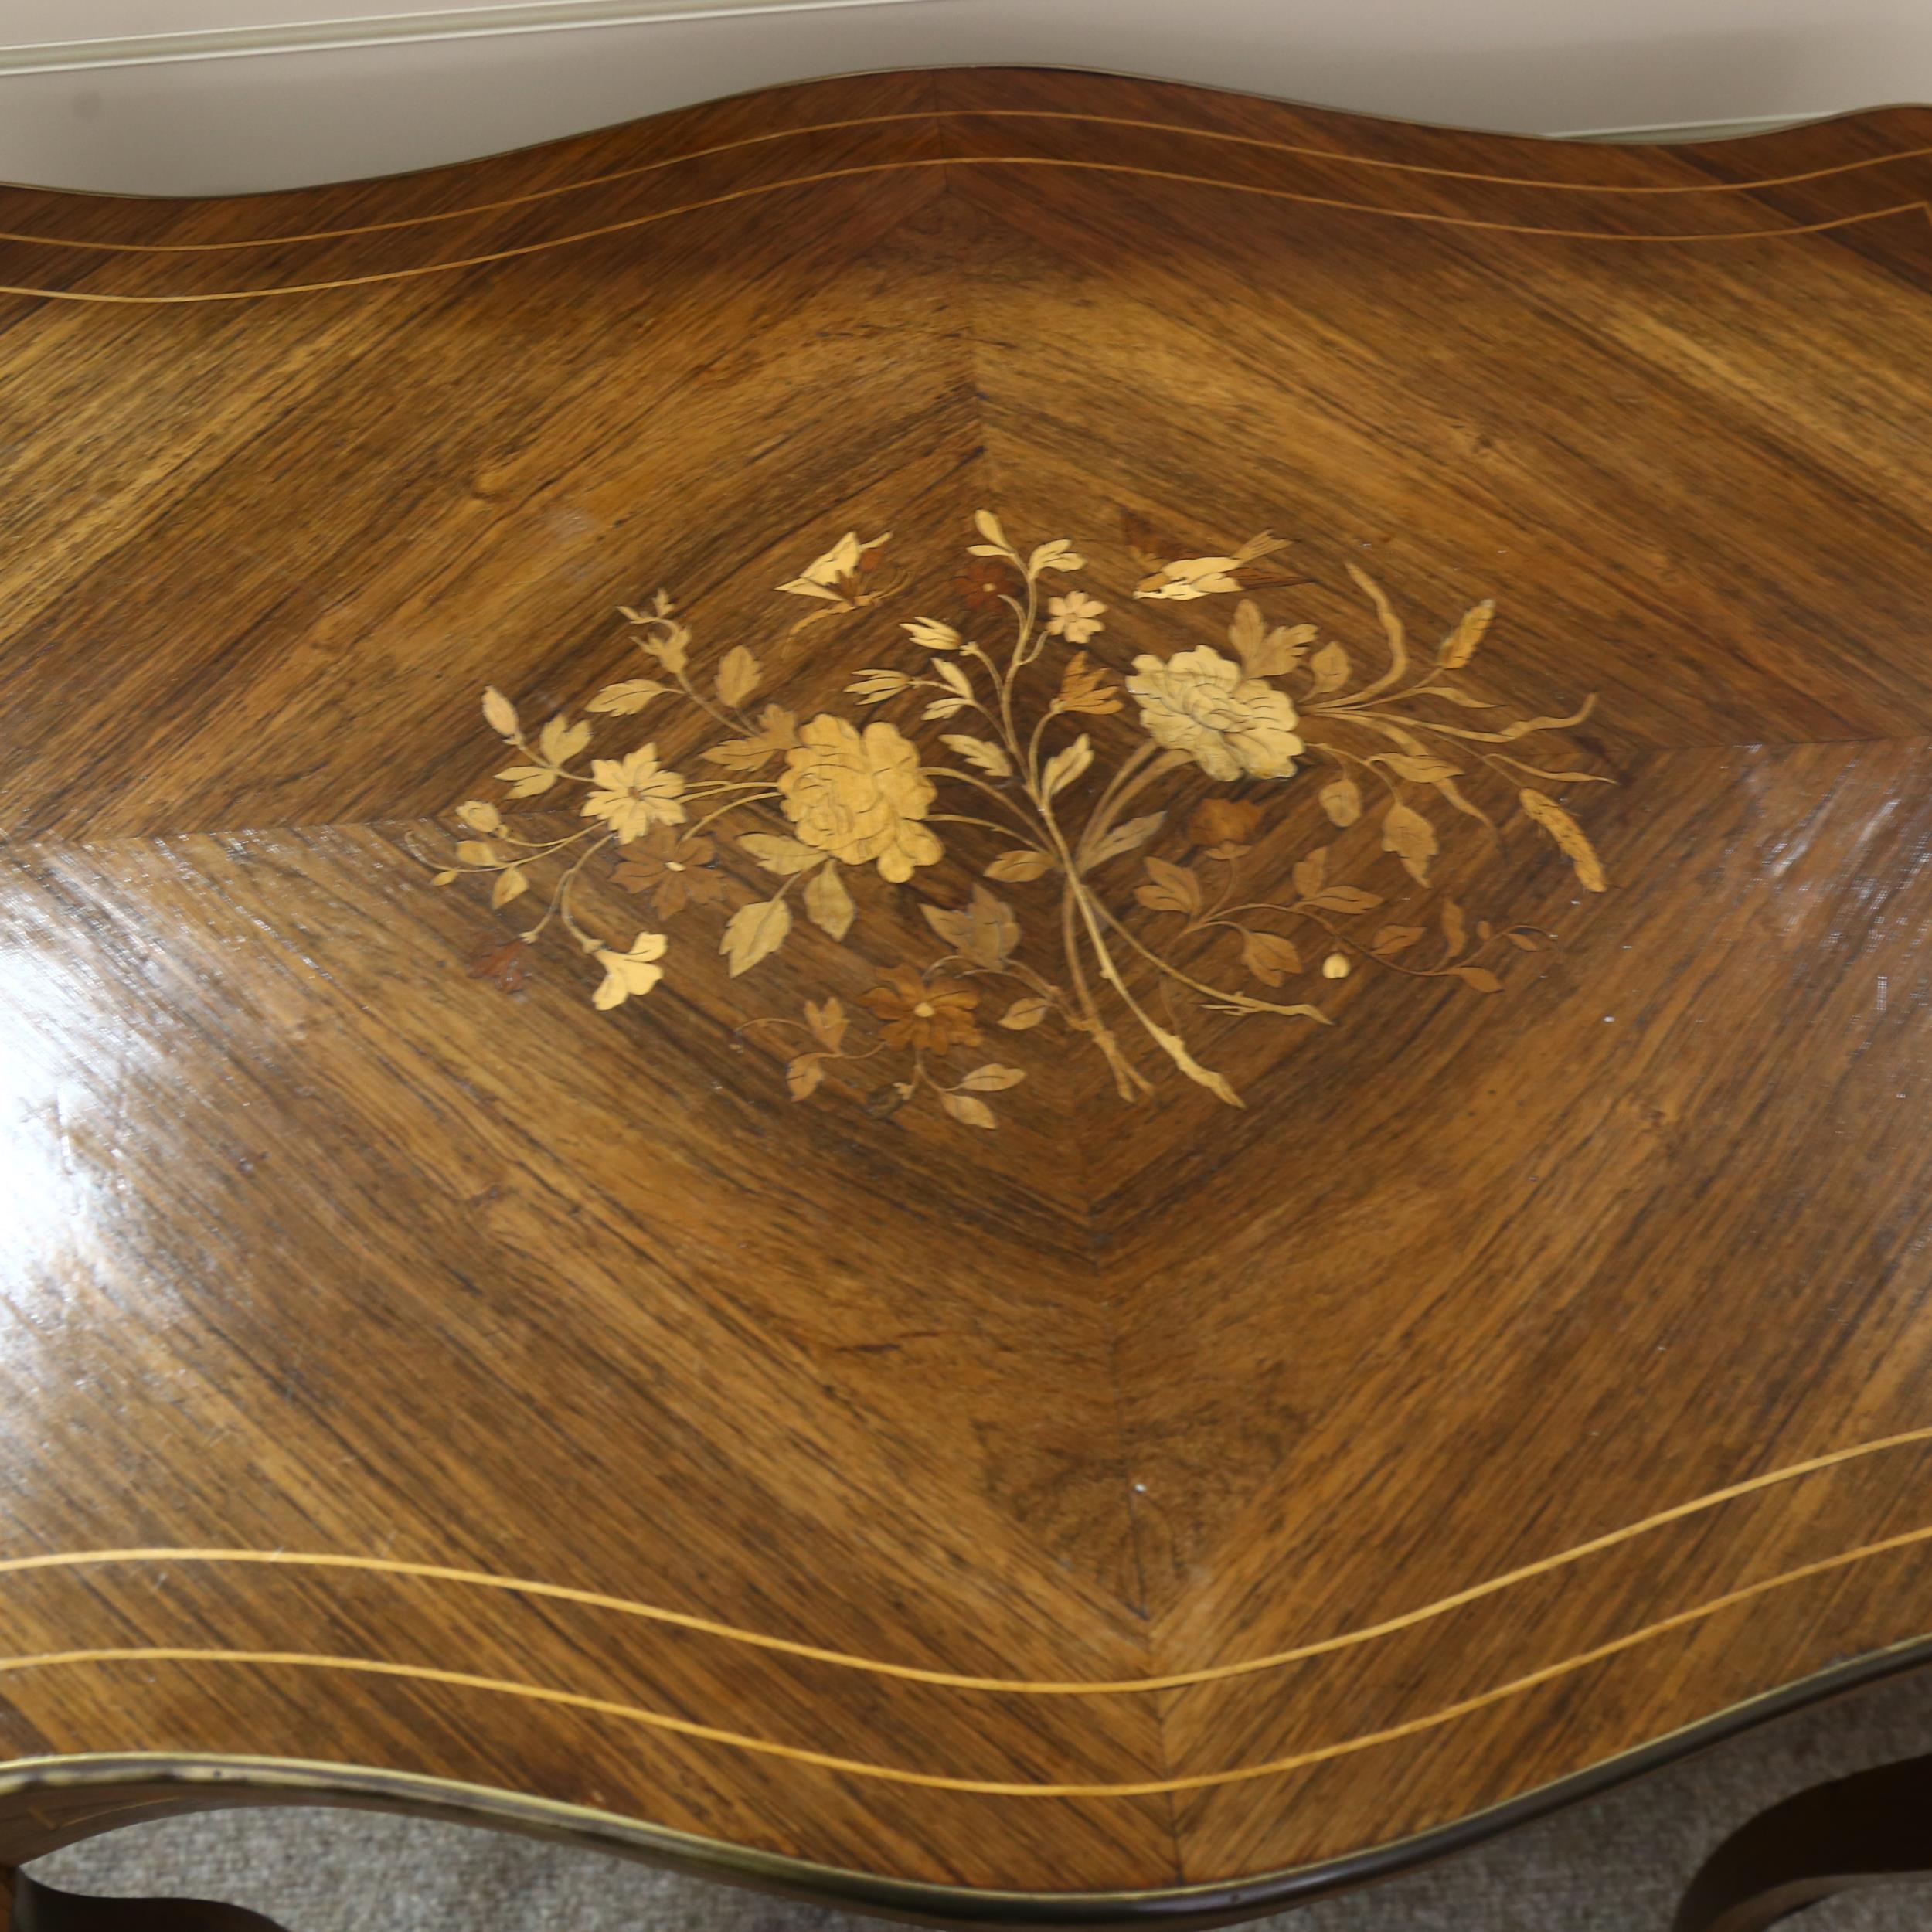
(1126,885)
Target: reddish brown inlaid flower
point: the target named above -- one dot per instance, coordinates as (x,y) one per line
(934,1015)
(505,966)
(674,873)
(985,581)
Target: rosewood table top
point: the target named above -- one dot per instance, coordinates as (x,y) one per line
(980,988)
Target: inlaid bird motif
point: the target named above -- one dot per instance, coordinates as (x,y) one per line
(1200,577)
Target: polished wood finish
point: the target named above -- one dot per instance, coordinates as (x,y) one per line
(414,1372)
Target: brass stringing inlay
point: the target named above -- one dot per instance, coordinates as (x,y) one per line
(1105,936)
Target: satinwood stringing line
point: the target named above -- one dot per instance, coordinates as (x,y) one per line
(938,1780)
(934,115)
(955,1680)
(963,161)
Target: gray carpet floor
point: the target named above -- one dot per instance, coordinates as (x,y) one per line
(1613,1865)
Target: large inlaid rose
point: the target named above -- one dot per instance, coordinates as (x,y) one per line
(1232,726)
(860,796)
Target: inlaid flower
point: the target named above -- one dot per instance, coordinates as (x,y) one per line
(860,796)
(636,971)
(674,870)
(933,1016)
(986,583)
(875,686)
(1232,726)
(633,794)
(1076,617)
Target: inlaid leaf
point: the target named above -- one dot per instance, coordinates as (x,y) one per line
(1128,835)
(983,931)
(1558,775)
(980,753)
(1064,767)
(779,854)
(559,741)
(479,816)
(943,707)
(1412,838)
(1329,669)
(1568,835)
(1447,789)
(510,884)
(1342,800)
(499,714)
(621,700)
(1393,634)
(778,731)
(671,648)
(828,1023)
(1479,977)
(1346,899)
(1468,700)
(803,1074)
(929,634)
(1269,957)
(987,526)
(738,675)
(1527,942)
(1281,650)
(755,932)
(1311,873)
(953,677)
(1056,554)
(1395,939)
(1267,653)
(446,878)
(1454,932)
(527,781)
(1170,889)
(827,903)
(1024,1013)
(1246,628)
(968,1111)
(475,852)
(1085,687)
(1421,770)
(992,1078)
(1015,868)
(1459,646)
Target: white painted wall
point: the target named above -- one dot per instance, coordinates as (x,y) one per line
(89,98)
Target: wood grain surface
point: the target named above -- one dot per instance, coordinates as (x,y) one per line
(1142,1263)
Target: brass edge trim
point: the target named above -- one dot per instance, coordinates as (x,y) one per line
(935,115)
(959,160)
(984,1787)
(954,1680)
(1200,1902)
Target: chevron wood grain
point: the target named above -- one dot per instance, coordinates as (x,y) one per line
(1169,1140)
